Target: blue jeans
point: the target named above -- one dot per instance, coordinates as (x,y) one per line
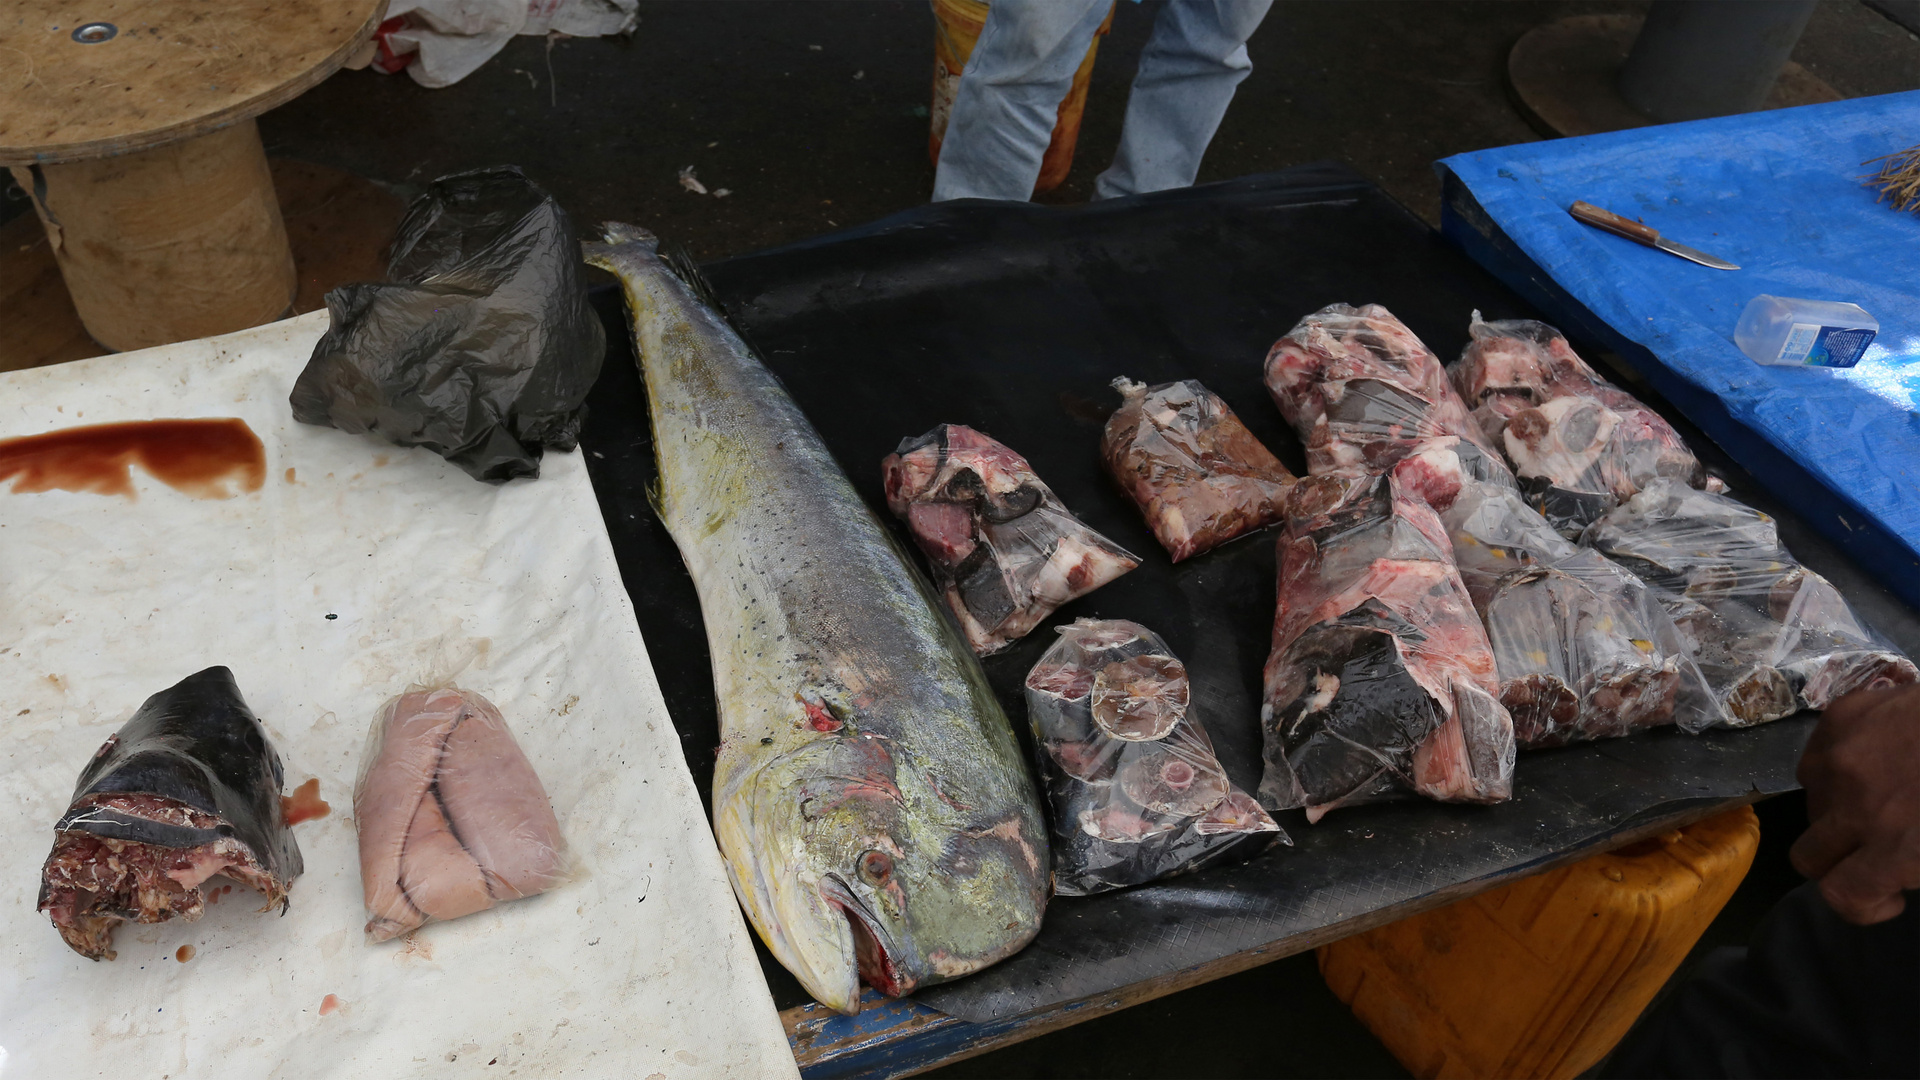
(1023,65)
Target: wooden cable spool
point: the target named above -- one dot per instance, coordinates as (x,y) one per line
(131,124)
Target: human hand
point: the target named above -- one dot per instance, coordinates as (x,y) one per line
(1861,771)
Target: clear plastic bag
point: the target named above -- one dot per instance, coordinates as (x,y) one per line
(1005,551)
(1135,790)
(1579,444)
(1194,469)
(1771,636)
(1362,391)
(1585,651)
(451,816)
(1381,679)
(1582,648)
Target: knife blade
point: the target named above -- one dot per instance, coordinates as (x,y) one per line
(1608,221)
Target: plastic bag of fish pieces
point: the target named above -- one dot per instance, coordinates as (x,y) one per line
(1772,636)
(1005,551)
(1580,445)
(1582,648)
(1361,390)
(452,817)
(1194,469)
(1381,680)
(1134,786)
(1585,651)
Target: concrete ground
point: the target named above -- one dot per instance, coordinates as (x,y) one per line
(813,116)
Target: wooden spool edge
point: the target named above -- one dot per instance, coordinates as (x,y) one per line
(54,153)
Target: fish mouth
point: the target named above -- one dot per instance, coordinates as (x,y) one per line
(870,945)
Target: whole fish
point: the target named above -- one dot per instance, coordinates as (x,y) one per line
(874,811)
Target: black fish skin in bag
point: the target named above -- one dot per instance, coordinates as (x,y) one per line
(188,788)
(482,345)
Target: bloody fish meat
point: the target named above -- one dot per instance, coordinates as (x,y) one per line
(1580,444)
(186,789)
(1362,390)
(1771,636)
(1136,790)
(1192,467)
(1582,649)
(1005,551)
(1380,679)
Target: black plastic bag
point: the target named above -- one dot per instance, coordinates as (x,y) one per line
(481,347)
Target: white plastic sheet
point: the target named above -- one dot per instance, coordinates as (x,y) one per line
(357,569)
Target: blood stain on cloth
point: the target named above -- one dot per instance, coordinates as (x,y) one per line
(206,459)
(305,803)
(328,1004)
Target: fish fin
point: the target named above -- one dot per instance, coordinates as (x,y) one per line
(680,261)
(615,235)
(656,495)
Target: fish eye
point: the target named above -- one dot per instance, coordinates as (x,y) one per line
(875,867)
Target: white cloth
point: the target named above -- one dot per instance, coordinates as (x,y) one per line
(357,569)
(452,38)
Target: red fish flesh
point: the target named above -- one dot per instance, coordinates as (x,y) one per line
(1582,648)
(187,789)
(1771,636)
(1136,790)
(1361,390)
(1582,444)
(1381,678)
(1194,469)
(1005,551)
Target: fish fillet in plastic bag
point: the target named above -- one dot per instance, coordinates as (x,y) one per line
(1582,648)
(452,817)
(1771,636)
(1381,679)
(1194,469)
(1134,786)
(1005,551)
(1580,444)
(1361,390)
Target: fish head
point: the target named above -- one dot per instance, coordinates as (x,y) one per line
(865,867)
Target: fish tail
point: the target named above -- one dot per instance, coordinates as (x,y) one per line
(617,233)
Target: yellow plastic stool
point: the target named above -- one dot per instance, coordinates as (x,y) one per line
(1542,977)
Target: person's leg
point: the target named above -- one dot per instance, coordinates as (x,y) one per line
(1811,996)
(1009,96)
(1188,72)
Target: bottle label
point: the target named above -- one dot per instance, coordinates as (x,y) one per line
(1825,346)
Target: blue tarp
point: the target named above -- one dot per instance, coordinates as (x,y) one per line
(1780,194)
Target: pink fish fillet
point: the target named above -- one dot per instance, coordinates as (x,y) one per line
(452,817)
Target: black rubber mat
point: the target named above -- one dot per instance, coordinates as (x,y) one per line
(1013,318)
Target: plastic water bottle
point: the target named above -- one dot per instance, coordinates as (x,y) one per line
(1821,333)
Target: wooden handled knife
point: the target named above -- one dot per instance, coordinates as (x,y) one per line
(1608,221)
